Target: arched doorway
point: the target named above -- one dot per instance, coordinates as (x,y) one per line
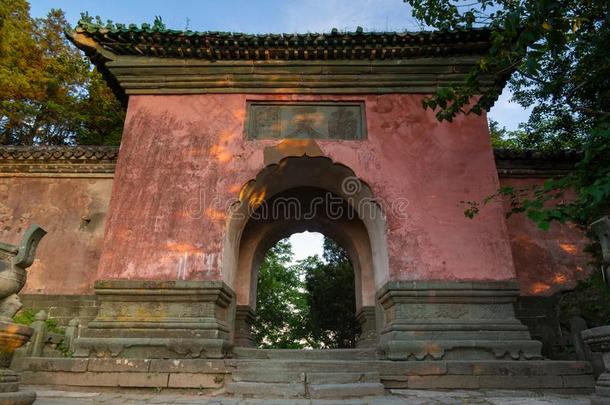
(306,194)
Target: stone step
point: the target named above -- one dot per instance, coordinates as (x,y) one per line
(256,389)
(269,376)
(288,376)
(320,386)
(339,391)
(341,378)
(305,354)
(321,376)
(341,366)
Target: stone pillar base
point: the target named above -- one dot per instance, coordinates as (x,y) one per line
(244,319)
(368,327)
(453,321)
(159,319)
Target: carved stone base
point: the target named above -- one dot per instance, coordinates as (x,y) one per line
(244,318)
(12,336)
(159,319)
(368,327)
(453,321)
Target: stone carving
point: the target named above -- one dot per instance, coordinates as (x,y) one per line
(598,340)
(343,123)
(601,227)
(14,260)
(319,120)
(267,120)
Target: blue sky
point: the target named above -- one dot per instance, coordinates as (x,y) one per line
(263,16)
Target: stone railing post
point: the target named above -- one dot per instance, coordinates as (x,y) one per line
(40,334)
(72,333)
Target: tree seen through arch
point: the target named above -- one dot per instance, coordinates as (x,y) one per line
(307,304)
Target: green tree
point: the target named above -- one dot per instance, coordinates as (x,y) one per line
(558,51)
(308,304)
(49,94)
(504,138)
(331,298)
(281,308)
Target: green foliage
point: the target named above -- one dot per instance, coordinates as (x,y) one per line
(581,197)
(64,349)
(310,304)
(49,93)
(331,298)
(505,139)
(280,302)
(27,316)
(24,317)
(558,51)
(589,300)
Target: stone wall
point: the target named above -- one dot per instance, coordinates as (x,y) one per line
(550,261)
(67,192)
(184,160)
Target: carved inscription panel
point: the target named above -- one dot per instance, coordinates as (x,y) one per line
(305,120)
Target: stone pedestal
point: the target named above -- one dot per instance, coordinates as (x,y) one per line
(453,321)
(368,327)
(598,340)
(12,336)
(244,319)
(159,319)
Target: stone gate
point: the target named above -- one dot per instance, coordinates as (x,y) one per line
(233,142)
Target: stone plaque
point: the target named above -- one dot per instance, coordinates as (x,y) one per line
(305,120)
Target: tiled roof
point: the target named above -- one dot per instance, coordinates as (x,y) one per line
(65,153)
(537,155)
(92,153)
(155,40)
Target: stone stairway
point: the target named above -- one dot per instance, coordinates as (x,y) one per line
(305,373)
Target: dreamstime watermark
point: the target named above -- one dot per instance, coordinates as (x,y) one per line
(351,201)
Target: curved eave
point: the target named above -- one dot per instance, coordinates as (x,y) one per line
(99,57)
(143,62)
